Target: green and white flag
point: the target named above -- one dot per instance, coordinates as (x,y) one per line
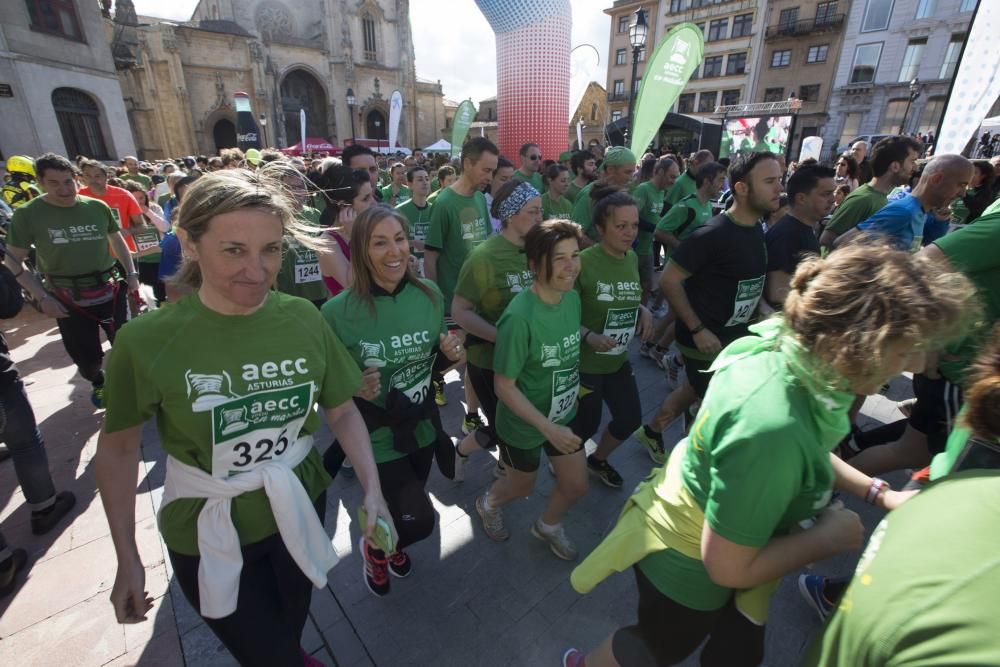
(674,61)
(464,116)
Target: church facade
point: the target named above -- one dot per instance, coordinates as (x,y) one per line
(178,79)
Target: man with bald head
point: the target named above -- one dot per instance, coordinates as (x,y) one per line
(859,151)
(905,222)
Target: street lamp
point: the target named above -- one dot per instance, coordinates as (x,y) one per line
(351,101)
(637,38)
(378,137)
(914,94)
(263,127)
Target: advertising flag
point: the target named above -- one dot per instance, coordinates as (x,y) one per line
(395,114)
(460,128)
(668,71)
(302,126)
(247,133)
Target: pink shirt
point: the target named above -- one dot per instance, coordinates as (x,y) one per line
(331,284)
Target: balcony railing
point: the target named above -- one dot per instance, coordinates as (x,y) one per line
(618,97)
(805,27)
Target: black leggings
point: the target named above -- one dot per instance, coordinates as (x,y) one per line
(81,332)
(482,383)
(402,482)
(668,632)
(266,628)
(620,392)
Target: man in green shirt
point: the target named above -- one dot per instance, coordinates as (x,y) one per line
(417,212)
(686,184)
(133,173)
(531,166)
(617,169)
(892,164)
(71,236)
(583,166)
(649,199)
(396,193)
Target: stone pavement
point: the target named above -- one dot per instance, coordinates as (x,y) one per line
(469,601)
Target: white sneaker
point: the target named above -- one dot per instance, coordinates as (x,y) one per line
(674,370)
(558,542)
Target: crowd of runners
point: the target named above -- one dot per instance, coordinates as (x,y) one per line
(239,292)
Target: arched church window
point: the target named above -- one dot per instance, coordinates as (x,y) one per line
(368,34)
(274,21)
(79,121)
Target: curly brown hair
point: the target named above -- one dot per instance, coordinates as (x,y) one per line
(848,307)
(982,401)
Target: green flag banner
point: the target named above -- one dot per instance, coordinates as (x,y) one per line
(672,64)
(464,116)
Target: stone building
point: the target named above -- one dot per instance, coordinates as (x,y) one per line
(58,88)
(594,114)
(179,79)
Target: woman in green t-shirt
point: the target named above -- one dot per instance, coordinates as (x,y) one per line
(232,385)
(745,499)
(610,295)
(537,369)
(392,323)
(554,201)
(494,273)
(147,241)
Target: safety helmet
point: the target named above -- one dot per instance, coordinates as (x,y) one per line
(21,164)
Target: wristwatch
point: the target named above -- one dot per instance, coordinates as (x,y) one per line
(876,487)
(698,329)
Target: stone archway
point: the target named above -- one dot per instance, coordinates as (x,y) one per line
(224,134)
(301,90)
(376,126)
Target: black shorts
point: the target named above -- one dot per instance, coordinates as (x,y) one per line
(527,460)
(936,410)
(621,394)
(697,373)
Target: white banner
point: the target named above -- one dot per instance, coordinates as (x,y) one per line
(812,147)
(395,114)
(977,82)
(302,126)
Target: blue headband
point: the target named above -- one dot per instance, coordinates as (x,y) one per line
(516,201)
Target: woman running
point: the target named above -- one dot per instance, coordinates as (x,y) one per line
(147,241)
(610,294)
(392,323)
(745,498)
(494,273)
(537,379)
(232,385)
(348,194)
(554,201)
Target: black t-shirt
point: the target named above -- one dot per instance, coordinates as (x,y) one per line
(788,241)
(727,264)
(11,301)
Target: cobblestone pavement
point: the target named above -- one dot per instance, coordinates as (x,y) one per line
(469,601)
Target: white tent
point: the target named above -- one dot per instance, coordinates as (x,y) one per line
(991,124)
(438,146)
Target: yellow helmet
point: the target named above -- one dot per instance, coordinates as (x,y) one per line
(21,164)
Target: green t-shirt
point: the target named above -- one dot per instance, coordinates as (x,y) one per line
(573,191)
(676,220)
(912,603)
(861,204)
(68,240)
(493,274)
(146,236)
(419,220)
(230,401)
(300,274)
(610,294)
(974,250)
(403,195)
(141,179)
(583,212)
(400,339)
(684,186)
(535,180)
(649,198)
(458,224)
(560,208)
(755,463)
(538,344)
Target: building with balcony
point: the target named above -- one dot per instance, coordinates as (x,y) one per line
(799,55)
(889,44)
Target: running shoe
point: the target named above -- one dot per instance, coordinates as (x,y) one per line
(811,588)
(400,564)
(97,397)
(659,312)
(492,518)
(9,569)
(375,569)
(573,658)
(654,446)
(45,520)
(439,396)
(557,540)
(673,368)
(645,349)
(471,423)
(460,463)
(605,471)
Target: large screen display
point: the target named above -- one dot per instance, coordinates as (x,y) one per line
(759,133)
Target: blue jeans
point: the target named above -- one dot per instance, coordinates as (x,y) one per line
(22,437)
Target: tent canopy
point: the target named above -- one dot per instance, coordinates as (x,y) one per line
(313,145)
(438,146)
(991,124)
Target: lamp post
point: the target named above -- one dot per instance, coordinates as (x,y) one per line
(637,38)
(378,139)
(914,94)
(263,127)
(351,101)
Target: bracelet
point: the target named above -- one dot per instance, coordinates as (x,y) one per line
(876,487)
(698,329)
(587,335)
(132,273)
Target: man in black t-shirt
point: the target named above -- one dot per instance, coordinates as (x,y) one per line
(810,198)
(714,280)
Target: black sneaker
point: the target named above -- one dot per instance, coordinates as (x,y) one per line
(375,569)
(400,564)
(605,471)
(9,569)
(45,520)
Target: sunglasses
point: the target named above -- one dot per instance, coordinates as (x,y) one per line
(534,157)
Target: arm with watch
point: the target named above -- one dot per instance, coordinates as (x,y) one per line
(872,490)
(672,285)
(597,342)
(124,256)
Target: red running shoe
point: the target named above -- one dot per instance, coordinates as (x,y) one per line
(375,569)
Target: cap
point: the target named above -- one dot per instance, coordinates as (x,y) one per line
(617,156)
(253,156)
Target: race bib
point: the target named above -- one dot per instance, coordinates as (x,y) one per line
(252,430)
(565,390)
(414,379)
(747,295)
(620,325)
(306,266)
(147,241)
